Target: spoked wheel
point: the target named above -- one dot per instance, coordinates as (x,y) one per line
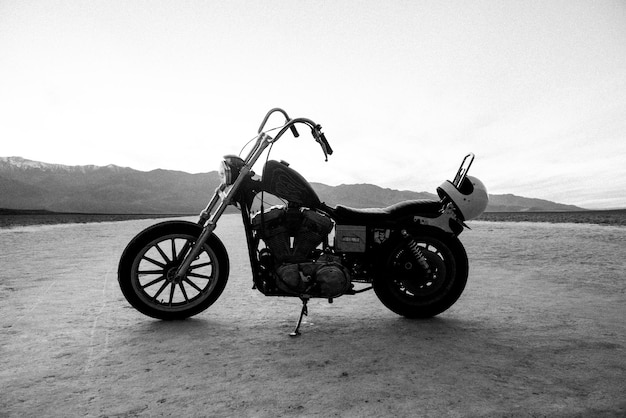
(147,271)
(407,288)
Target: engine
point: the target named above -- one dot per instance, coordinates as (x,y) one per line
(291,236)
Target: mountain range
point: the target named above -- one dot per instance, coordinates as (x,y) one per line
(34,185)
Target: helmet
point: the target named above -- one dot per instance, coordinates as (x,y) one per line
(470,197)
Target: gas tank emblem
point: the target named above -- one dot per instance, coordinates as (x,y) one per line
(381,235)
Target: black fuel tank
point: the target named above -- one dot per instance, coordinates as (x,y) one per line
(286,183)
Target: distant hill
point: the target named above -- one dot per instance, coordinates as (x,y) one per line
(512,203)
(26,184)
(33,185)
(365,195)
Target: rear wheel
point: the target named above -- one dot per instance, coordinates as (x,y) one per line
(404,286)
(147,271)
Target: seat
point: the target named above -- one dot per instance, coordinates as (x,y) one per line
(425,207)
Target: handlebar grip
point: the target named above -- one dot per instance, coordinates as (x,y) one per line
(329,150)
(294,131)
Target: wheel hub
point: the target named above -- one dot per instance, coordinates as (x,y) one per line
(170,274)
(417,281)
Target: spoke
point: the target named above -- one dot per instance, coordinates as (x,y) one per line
(182,289)
(174,249)
(155,281)
(156,295)
(150,272)
(165,257)
(200,276)
(192,284)
(196,266)
(154,261)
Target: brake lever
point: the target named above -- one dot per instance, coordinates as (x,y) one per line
(329,150)
(320,138)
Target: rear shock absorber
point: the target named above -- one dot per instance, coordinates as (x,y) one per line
(416,251)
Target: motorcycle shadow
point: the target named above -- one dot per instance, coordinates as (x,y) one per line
(332,345)
(180,327)
(397,329)
(318,328)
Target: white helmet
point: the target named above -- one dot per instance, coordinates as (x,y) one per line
(470,198)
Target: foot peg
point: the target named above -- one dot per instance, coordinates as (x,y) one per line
(303,312)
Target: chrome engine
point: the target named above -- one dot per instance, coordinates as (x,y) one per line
(291,236)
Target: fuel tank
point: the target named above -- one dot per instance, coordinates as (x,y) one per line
(286,183)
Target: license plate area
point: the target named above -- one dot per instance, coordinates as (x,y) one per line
(350,238)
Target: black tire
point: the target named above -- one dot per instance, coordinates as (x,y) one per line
(406,289)
(146,268)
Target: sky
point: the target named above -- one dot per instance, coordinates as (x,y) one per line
(403,89)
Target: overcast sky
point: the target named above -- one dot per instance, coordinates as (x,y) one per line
(403,89)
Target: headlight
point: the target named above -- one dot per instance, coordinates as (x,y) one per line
(229,169)
(225,173)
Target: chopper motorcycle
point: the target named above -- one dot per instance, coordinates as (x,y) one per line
(408,253)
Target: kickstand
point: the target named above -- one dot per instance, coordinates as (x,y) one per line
(303,312)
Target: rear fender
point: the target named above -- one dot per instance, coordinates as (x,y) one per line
(447,221)
(449,224)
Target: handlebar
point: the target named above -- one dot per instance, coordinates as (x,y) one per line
(294,131)
(316,130)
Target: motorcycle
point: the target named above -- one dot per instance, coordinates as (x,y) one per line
(408,253)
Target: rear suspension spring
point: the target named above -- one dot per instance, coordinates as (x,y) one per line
(416,251)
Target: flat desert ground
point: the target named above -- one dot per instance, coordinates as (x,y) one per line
(540,331)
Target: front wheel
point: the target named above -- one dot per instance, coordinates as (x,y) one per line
(147,268)
(406,288)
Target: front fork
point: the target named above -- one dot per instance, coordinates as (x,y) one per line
(210,223)
(222,197)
